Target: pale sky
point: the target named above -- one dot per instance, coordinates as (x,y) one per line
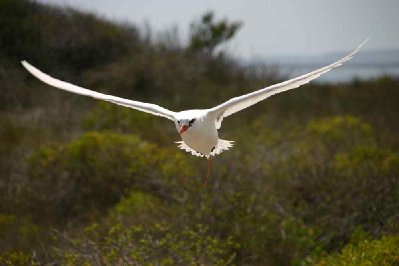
(270,27)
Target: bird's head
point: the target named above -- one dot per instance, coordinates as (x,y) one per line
(182,125)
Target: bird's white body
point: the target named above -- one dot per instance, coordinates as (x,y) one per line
(202,139)
(198,128)
(202,136)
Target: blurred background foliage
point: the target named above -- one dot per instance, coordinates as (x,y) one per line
(312,180)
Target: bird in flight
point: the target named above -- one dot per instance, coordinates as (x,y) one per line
(198,128)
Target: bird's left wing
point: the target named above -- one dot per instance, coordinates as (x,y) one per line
(239,103)
(145,107)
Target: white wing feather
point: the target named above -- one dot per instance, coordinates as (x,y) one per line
(145,107)
(239,103)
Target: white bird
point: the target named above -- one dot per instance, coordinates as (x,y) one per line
(198,128)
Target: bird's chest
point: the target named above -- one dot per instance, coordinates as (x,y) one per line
(202,138)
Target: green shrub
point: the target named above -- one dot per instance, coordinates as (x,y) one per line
(378,252)
(93,172)
(13,258)
(107,117)
(156,244)
(341,179)
(340,133)
(137,208)
(17,233)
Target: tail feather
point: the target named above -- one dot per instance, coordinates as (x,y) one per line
(222,145)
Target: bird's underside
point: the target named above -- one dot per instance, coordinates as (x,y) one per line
(198,128)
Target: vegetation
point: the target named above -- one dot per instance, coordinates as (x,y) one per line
(313,178)
(206,35)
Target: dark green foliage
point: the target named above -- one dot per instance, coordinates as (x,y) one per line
(17,233)
(20,34)
(363,251)
(38,33)
(64,41)
(158,244)
(98,184)
(207,34)
(18,258)
(93,172)
(336,183)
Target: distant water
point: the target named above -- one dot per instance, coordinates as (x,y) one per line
(365,65)
(343,73)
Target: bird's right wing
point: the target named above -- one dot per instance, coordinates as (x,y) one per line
(145,107)
(239,103)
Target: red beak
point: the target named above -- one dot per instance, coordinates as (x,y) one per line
(182,129)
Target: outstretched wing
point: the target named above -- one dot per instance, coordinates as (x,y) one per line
(239,103)
(145,107)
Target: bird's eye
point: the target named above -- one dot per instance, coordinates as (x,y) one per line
(191,121)
(178,122)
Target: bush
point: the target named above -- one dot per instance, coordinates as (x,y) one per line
(156,244)
(93,172)
(18,258)
(17,233)
(108,117)
(378,252)
(343,180)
